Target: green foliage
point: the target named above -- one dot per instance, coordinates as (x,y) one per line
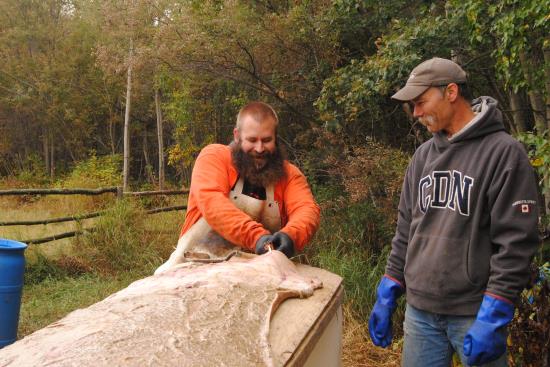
(538,148)
(521,29)
(358,93)
(95,172)
(53,298)
(539,153)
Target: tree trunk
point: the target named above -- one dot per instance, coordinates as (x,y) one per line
(52,156)
(160,138)
(112,134)
(518,112)
(546,52)
(148,165)
(46,146)
(537,102)
(126,167)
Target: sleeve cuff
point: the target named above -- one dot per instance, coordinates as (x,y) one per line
(394,280)
(500,298)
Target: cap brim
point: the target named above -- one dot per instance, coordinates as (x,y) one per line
(409,92)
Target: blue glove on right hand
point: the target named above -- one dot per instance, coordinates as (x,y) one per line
(484,343)
(380,318)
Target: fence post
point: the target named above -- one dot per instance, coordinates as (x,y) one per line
(119,192)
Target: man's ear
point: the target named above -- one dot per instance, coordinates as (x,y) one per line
(451,92)
(236,135)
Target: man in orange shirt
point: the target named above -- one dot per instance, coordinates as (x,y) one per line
(247,194)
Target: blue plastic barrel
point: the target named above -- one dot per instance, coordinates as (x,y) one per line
(12,268)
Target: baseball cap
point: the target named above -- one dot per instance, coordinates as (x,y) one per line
(435,72)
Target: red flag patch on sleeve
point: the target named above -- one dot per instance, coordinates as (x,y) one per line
(524,206)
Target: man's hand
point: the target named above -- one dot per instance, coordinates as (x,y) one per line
(484,342)
(282,242)
(262,242)
(380,326)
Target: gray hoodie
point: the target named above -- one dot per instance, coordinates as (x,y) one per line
(467,221)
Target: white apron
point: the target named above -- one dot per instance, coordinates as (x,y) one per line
(201,242)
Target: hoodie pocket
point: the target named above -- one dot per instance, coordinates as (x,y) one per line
(438,267)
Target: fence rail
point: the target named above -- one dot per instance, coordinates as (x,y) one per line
(52,220)
(117,190)
(149,193)
(82,231)
(103,190)
(56,237)
(59,191)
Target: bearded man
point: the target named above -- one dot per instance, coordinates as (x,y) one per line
(247,194)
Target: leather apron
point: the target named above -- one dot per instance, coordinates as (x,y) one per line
(201,243)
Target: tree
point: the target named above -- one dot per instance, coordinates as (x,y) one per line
(51,90)
(503,45)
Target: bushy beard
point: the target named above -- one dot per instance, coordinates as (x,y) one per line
(247,166)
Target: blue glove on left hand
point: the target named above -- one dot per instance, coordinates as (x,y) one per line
(484,343)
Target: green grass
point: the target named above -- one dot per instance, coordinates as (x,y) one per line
(52,299)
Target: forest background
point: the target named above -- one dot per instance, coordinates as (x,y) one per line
(100,93)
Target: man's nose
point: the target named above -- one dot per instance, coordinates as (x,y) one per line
(259,147)
(417,112)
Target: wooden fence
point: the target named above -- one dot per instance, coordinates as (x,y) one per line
(115,190)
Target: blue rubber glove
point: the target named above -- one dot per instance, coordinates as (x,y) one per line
(380,327)
(483,343)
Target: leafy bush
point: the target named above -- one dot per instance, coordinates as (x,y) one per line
(538,148)
(96,172)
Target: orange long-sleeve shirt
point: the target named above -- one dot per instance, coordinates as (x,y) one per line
(212,179)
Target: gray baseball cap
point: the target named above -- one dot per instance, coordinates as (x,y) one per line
(435,72)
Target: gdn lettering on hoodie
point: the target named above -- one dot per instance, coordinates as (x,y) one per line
(445,189)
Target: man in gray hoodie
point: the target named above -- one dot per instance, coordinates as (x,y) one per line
(466,229)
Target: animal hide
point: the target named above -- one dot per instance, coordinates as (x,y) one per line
(195,315)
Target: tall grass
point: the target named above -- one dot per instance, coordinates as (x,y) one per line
(353,241)
(119,241)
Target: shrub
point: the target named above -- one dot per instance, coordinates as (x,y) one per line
(96,172)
